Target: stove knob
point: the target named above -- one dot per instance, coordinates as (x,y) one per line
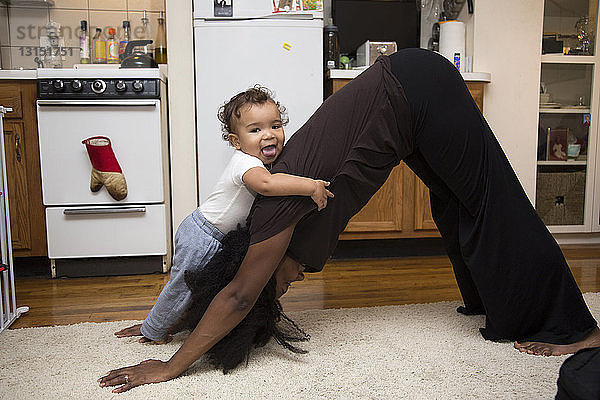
(99,86)
(137,86)
(120,86)
(76,85)
(58,85)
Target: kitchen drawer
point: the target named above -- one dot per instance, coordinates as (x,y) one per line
(106,231)
(11,97)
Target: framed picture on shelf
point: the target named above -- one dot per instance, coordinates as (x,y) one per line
(557,144)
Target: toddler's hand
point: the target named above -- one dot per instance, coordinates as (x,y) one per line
(321,194)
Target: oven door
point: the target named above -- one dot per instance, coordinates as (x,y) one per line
(134,129)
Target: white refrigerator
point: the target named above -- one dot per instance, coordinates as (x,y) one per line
(282,51)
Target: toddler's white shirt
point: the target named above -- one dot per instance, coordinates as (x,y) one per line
(230,201)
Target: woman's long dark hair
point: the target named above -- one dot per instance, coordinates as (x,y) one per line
(265,320)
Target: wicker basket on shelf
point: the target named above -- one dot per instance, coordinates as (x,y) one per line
(560,197)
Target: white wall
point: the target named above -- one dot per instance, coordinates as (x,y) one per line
(507,42)
(182,110)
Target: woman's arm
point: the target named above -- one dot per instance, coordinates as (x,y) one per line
(226,310)
(262,181)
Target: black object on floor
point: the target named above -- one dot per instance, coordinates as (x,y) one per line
(31,266)
(105,266)
(579,376)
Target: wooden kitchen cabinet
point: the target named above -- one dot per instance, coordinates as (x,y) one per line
(27,217)
(401,208)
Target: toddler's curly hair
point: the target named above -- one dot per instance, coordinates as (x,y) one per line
(265,320)
(232,109)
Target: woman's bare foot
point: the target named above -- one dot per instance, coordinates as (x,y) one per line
(549,349)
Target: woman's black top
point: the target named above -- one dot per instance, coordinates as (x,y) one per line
(353,141)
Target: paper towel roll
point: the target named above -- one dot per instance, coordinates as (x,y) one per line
(452,40)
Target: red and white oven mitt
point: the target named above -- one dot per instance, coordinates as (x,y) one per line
(105,167)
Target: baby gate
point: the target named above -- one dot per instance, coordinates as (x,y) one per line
(8,305)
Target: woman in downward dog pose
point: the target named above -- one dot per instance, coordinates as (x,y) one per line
(411,106)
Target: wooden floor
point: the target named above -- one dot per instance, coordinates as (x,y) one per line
(348,283)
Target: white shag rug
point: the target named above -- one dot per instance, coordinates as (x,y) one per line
(420,351)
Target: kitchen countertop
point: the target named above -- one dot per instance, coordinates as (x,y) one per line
(33,73)
(18,74)
(353,73)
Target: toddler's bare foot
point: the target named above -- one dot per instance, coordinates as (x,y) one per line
(166,340)
(129,331)
(549,349)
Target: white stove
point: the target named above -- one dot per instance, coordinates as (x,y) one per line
(92,233)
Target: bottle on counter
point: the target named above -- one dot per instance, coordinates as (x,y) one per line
(124,39)
(84,44)
(160,44)
(99,47)
(112,47)
(331,55)
(146,35)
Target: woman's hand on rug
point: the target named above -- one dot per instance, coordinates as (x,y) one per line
(134,330)
(149,371)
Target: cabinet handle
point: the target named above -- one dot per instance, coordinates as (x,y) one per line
(17,142)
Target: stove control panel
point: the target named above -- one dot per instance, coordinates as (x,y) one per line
(112,88)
